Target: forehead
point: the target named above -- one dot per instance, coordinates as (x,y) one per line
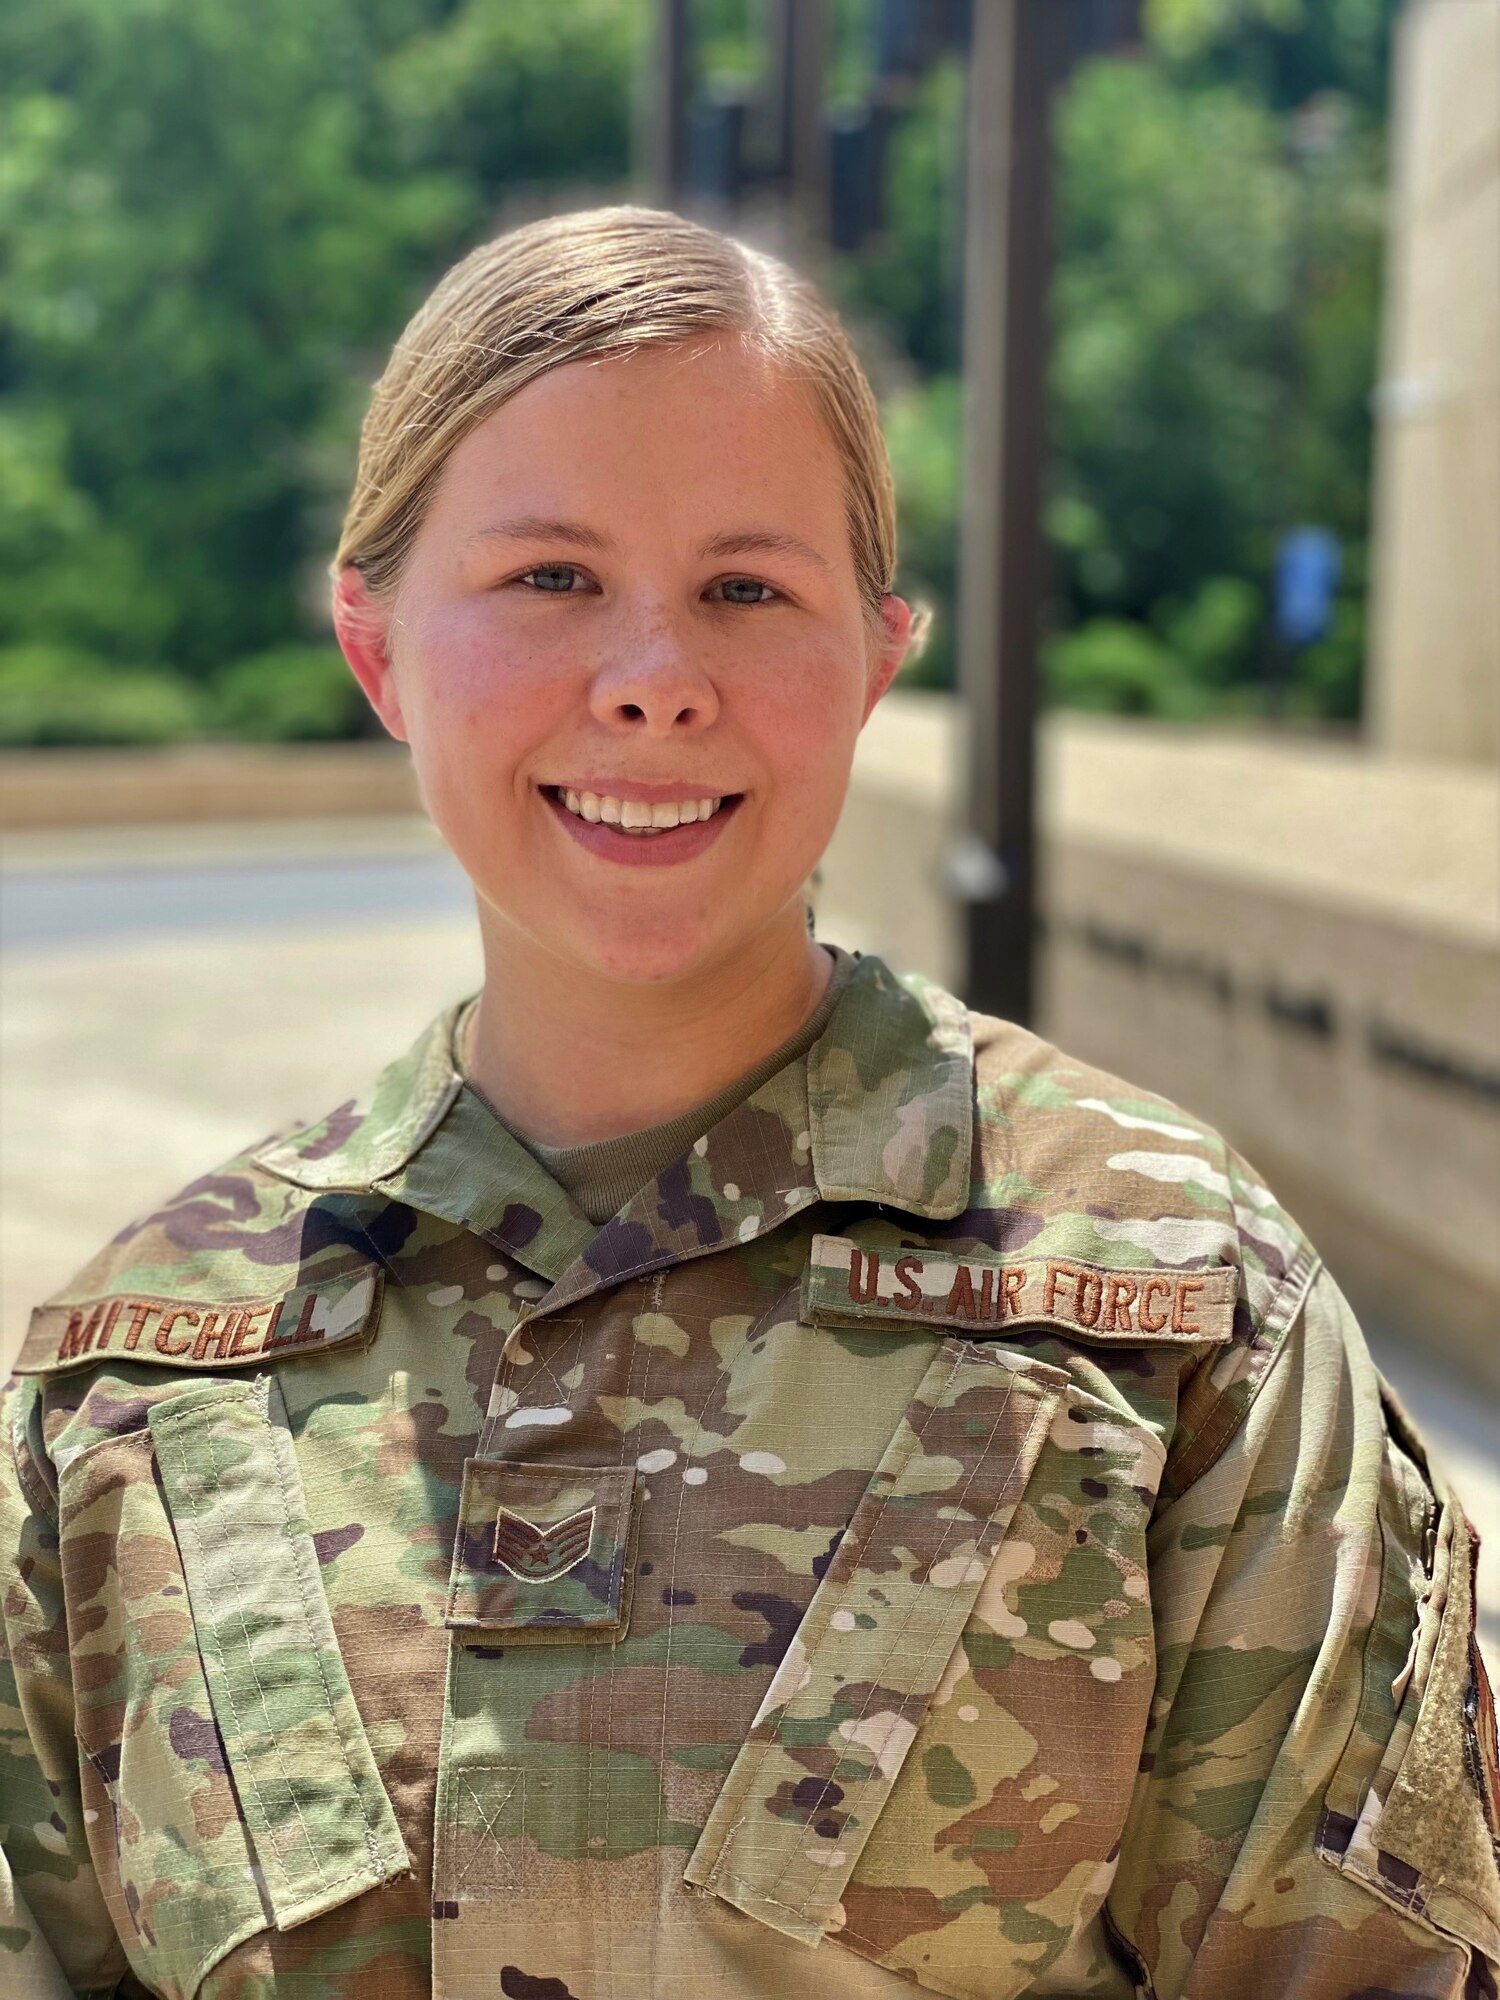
(671,428)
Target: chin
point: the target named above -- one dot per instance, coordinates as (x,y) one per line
(632,959)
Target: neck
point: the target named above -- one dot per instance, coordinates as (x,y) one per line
(568,1059)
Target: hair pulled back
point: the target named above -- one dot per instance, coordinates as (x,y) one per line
(599,282)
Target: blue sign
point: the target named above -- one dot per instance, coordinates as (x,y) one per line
(1308,562)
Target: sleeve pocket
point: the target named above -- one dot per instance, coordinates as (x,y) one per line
(319,1820)
(1414,1810)
(823,1755)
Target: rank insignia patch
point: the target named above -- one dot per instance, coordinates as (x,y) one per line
(537,1555)
(543,1552)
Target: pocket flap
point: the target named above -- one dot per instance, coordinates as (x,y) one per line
(543,1551)
(845,1704)
(318,1816)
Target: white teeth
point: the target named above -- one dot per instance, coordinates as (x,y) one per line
(637,816)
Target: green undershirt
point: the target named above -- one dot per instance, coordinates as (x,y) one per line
(601,1178)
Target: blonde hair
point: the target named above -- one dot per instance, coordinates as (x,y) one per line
(599,282)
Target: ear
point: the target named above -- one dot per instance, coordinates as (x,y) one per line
(888,650)
(361,623)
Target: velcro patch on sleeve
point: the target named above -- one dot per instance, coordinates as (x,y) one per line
(845,1282)
(182,1332)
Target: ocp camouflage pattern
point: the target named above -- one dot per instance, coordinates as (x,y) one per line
(945,1531)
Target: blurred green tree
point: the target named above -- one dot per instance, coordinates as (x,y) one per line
(1216,309)
(212,219)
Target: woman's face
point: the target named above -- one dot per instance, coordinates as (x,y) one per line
(633,604)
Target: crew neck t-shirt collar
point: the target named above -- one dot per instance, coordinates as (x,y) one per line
(602,1178)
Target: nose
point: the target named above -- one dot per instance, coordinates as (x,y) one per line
(654,684)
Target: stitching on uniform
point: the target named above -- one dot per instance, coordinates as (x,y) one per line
(637,1348)
(31,1481)
(487,1820)
(299,1561)
(1204,1451)
(725,1370)
(572,1330)
(174,1424)
(893,1649)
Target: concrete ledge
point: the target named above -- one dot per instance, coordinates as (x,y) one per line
(203,781)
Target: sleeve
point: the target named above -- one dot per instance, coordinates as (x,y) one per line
(56,1937)
(1316,1816)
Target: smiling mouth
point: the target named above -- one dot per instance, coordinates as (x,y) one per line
(642,817)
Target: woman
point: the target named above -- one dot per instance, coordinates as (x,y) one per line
(725,1473)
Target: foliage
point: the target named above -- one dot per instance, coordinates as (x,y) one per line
(910,278)
(289,693)
(922,429)
(1121,669)
(53,695)
(1216,308)
(214,219)
(1215,315)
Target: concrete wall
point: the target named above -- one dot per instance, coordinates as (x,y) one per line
(202,781)
(1299,942)
(1435,686)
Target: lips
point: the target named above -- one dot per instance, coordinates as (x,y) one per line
(649,826)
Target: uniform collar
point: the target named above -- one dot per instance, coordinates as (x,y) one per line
(879,1110)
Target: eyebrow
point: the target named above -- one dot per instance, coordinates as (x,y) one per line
(744,541)
(762,541)
(538,528)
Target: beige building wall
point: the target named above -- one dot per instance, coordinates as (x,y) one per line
(1435,658)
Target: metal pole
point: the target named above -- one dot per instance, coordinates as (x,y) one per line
(1016,63)
(669,131)
(799,35)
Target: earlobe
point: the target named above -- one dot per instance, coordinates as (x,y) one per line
(361,623)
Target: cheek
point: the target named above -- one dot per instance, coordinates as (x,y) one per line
(483,698)
(807,718)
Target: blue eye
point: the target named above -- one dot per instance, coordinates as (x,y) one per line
(555,577)
(734,586)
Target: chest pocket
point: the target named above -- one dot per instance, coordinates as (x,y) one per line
(231,1782)
(940,1769)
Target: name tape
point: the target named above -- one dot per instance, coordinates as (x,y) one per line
(184,1333)
(843,1281)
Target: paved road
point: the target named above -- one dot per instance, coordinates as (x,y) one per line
(166,997)
(57,906)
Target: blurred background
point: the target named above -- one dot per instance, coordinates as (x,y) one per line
(1185,319)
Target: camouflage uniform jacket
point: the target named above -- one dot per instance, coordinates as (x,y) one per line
(945,1531)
